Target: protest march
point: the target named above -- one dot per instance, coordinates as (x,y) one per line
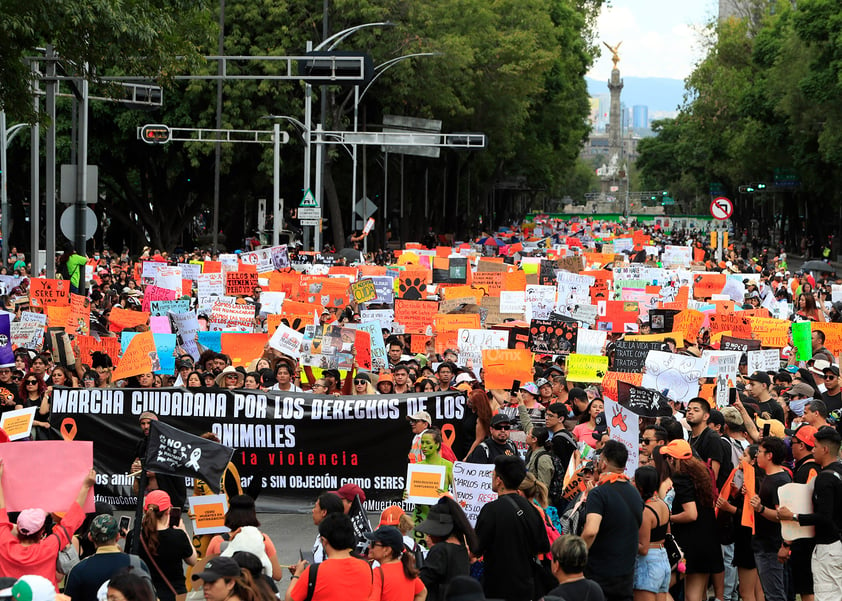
(651,408)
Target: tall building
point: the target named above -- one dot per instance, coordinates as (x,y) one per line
(640,116)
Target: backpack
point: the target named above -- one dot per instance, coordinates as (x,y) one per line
(67,557)
(417,552)
(556,488)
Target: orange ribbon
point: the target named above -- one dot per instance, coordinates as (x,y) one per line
(68,428)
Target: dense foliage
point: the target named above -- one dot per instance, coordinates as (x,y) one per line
(512,70)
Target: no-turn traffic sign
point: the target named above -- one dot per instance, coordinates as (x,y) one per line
(721,208)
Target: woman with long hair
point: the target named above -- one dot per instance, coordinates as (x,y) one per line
(538,459)
(194,380)
(806,308)
(449,536)
(224,580)
(35,393)
(396,577)
(750,588)
(242,519)
(61,376)
(362,385)
(480,408)
(425,385)
(652,566)
(587,422)
(693,518)
(164,547)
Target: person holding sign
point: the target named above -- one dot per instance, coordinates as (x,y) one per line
(431,442)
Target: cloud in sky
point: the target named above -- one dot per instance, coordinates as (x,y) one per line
(661,38)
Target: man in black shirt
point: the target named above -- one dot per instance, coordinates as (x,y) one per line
(704,441)
(614,512)
(826,517)
(833,395)
(767,535)
(510,532)
(495,445)
(758,389)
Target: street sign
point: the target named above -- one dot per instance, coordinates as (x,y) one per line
(307,213)
(365,208)
(309,200)
(68,223)
(68,184)
(721,208)
(313,222)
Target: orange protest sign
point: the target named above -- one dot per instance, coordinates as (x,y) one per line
(57,315)
(740,326)
(724,306)
(833,336)
(453,322)
(343,270)
(138,357)
(609,381)
(370,270)
(504,366)
(291,320)
(489,282)
(688,322)
(330,292)
(514,281)
(416,315)
(243,347)
(413,283)
(418,344)
(299,308)
(288,282)
(211,267)
(463,292)
(707,284)
(87,345)
(47,292)
(120,319)
(79,319)
(769,331)
(240,283)
(208,516)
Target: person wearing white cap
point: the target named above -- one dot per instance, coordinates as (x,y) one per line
(418,422)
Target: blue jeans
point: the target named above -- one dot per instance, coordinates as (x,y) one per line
(771,574)
(732,592)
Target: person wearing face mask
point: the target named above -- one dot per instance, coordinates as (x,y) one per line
(797,396)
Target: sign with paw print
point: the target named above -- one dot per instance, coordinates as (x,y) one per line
(586,368)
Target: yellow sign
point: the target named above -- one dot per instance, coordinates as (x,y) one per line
(586,368)
(363,291)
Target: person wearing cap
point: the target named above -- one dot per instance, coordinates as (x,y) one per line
(87,577)
(341,575)
(403,385)
(174,486)
(826,560)
(832,396)
(496,444)
(418,422)
(24,546)
(797,396)
(694,520)
(397,575)
(614,513)
(349,492)
(545,391)
(511,533)
(223,580)
(385,383)
(757,388)
(362,384)
(163,546)
(230,379)
(767,539)
(799,552)
(449,536)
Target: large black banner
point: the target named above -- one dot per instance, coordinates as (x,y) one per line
(298,444)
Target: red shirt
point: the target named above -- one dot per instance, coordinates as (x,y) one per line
(18,560)
(347,578)
(391,584)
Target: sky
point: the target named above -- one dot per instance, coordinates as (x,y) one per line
(661,38)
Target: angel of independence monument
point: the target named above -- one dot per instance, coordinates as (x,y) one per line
(612,175)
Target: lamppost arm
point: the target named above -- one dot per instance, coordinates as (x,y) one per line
(334,40)
(385,66)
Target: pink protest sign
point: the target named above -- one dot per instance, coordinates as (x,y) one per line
(61,467)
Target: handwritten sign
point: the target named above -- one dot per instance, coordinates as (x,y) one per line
(586,368)
(630,356)
(363,291)
(472,485)
(48,292)
(767,360)
(417,316)
(18,423)
(240,283)
(623,426)
(769,331)
(676,376)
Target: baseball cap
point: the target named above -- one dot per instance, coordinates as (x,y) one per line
(420,416)
(500,418)
(104,528)
(760,376)
(541,382)
(464,377)
(389,536)
(805,433)
(530,388)
(834,369)
(732,416)
(800,389)
(391,516)
(218,567)
(31,520)
(349,491)
(776,428)
(159,498)
(679,449)
(31,588)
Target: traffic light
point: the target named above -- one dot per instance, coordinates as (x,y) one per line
(155,134)
(761,186)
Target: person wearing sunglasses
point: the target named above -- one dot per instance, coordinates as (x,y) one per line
(496,444)
(33,391)
(362,385)
(832,396)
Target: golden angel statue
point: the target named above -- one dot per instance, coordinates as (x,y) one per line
(615,56)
